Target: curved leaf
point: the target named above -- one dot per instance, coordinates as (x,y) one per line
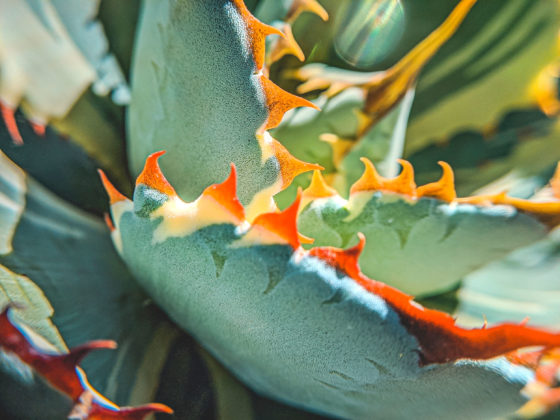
(405,231)
(307,327)
(522,144)
(224,114)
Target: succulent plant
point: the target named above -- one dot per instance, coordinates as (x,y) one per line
(268,268)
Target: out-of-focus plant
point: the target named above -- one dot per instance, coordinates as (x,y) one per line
(277,211)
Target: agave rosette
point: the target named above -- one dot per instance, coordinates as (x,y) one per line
(306,300)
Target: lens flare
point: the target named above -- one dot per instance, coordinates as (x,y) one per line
(368,30)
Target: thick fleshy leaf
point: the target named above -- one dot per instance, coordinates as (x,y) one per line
(374,119)
(328,137)
(404,232)
(12,199)
(31,305)
(307,327)
(224,115)
(94,297)
(534,157)
(384,89)
(48,68)
(79,19)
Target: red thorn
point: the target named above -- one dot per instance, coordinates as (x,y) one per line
(38,128)
(114,195)
(345,260)
(59,370)
(152,176)
(108,222)
(284,223)
(75,356)
(530,359)
(226,194)
(8,115)
(62,372)
(99,412)
(440,340)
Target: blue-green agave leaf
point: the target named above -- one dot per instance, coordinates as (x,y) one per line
(289,323)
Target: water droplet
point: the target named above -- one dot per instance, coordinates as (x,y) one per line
(368,30)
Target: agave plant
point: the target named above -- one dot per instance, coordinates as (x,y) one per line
(267,269)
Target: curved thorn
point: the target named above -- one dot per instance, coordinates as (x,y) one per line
(284,223)
(318,188)
(444,188)
(114,195)
(152,176)
(278,102)
(286,46)
(8,115)
(226,194)
(312,6)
